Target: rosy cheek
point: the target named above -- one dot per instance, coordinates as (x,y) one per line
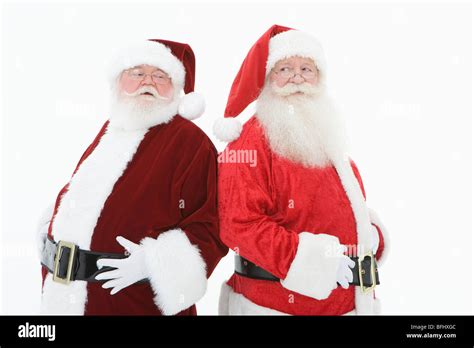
(314,80)
(279,82)
(128,85)
(165,90)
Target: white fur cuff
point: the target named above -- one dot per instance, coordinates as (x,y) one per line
(177,271)
(314,268)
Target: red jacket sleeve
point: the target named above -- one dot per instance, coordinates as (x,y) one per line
(181,259)
(246,207)
(199,213)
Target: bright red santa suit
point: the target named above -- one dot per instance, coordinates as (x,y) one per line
(282,214)
(154,185)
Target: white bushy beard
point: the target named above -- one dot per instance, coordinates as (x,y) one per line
(128,113)
(305,127)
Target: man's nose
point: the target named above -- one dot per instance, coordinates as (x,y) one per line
(148,80)
(297,79)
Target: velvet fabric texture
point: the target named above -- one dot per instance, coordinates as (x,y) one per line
(263,208)
(170,183)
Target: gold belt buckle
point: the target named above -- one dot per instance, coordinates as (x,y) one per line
(62,244)
(366,289)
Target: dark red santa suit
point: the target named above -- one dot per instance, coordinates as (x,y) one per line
(157,187)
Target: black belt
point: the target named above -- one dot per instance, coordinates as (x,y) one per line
(367,266)
(74,263)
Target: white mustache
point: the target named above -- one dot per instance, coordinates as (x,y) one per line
(146,89)
(292,88)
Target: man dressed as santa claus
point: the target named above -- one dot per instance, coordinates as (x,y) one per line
(134,232)
(296,217)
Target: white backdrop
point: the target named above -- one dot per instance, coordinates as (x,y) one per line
(402,73)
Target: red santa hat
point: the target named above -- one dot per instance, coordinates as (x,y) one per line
(175,58)
(275,44)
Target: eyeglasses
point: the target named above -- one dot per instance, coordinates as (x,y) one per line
(287,73)
(157,76)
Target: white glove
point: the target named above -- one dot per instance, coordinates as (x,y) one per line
(375,239)
(41,239)
(344,273)
(128,271)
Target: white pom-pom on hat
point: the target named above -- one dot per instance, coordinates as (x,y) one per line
(227,129)
(192,106)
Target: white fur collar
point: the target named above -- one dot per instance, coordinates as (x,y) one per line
(80,208)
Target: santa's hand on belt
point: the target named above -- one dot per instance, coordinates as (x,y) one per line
(344,273)
(127,271)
